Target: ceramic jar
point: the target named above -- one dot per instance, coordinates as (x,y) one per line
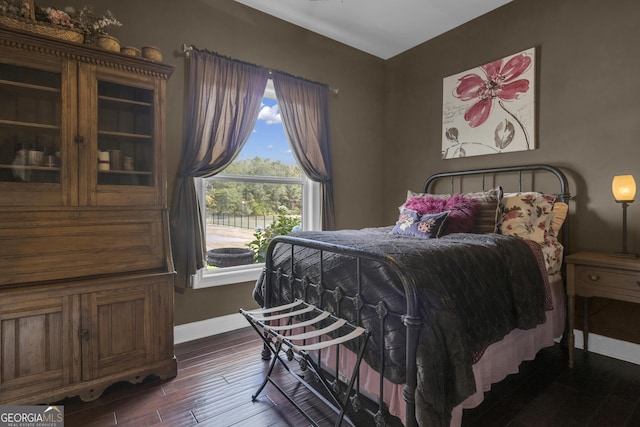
(130,51)
(152,52)
(108,42)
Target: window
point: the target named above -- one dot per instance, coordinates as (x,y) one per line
(248,195)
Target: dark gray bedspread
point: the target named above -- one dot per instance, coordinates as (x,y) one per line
(473,289)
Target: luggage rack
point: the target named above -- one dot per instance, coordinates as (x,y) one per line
(279,326)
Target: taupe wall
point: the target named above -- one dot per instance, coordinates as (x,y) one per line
(588,122)
(386,119)
(232,29)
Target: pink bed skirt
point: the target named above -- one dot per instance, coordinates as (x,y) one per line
(498,361)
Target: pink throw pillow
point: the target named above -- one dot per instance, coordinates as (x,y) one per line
(462,214)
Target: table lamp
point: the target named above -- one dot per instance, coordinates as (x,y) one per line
(624,191)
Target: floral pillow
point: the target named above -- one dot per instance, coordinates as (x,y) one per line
(552,248)
(428,226)
(462,210)
(527,215)
(552,251)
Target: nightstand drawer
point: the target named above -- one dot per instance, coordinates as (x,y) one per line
(597,274)
(607,283)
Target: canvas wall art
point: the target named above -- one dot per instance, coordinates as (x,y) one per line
(490,109)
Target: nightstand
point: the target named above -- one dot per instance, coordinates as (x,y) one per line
(597,274)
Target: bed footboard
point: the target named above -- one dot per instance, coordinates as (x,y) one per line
(279,286)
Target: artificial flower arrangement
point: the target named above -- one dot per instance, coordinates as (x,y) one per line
(83,20)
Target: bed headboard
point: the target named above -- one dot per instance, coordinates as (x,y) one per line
(494,173)
(543,178)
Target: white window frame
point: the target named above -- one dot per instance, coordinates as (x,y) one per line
(311,220)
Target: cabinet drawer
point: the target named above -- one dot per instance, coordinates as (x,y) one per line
(52,245)
(608,283)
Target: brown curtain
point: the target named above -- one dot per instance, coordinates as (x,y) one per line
(223,101)
(304,107)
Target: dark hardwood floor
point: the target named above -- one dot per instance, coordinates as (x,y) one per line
(218,375)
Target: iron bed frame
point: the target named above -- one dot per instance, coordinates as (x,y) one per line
(410,317)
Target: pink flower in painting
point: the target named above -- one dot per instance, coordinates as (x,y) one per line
(500,82)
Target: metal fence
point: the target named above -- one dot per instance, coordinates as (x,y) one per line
(241,221)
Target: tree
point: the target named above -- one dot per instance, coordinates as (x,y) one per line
(226,197)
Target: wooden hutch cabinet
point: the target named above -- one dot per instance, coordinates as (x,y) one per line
(86,277)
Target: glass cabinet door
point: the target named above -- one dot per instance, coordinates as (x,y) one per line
(30,125)
(125,135)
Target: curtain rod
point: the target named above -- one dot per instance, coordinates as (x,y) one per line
(188,48)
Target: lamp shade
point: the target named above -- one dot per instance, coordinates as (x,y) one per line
(623,188)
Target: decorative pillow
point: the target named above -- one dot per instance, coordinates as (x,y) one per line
(552,251)
(527,215)
(411,223)
(412,194)
(462,210)
(560,210)
(487,213)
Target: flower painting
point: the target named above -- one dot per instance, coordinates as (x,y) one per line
(490,109)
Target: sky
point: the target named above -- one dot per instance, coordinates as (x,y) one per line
(268,139)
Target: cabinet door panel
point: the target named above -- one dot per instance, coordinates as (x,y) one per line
(119,325)
(123,125)
(37,127)
(36,353)
(117,334)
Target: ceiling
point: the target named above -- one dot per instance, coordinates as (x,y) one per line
(383,28)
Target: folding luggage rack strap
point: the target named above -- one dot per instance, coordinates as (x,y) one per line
(279,326)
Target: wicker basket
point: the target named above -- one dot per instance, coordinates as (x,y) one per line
(42,28)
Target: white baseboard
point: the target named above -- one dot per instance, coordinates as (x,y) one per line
(622,350)
(610,347)
(205,328)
